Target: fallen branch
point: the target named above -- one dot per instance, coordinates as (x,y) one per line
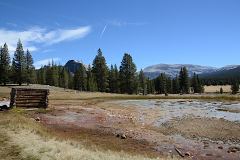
(179,152)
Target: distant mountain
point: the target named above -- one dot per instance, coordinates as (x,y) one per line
(72,65)
(227,72)
(173,69)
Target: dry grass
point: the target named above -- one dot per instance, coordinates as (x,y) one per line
(216,89)
(57,93)
(24,138)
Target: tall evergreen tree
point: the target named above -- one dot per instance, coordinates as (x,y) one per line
(175,85)
(63,78)
(235,87)
(4,64)
(91,83)
(150,86)
(184,80)
(196,84)
(19,64)
(41,75)
(113,79)
(169,86)
(29,68)
(80,78)
(127,75)
(142,83)
(100,71)
(160,83)
(116,83)
(52,74)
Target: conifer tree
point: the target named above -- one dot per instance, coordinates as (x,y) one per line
(100,71)
(161,83)
(235,87)
(168,85)
(113,79)
(80,78)
(194,84)
(63,78)
(19,64)
(150,86)
(29,68)
(127,75)
(116,84)
(142,83)
(4,64)
(52,74)
(41,75)
(221,90)
(91,83)
(175,85)
(184,80)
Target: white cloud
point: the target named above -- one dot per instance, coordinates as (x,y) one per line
(43,62)
(38,35)
(123,23)
(103,31)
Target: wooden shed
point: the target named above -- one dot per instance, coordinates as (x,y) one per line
(29,97)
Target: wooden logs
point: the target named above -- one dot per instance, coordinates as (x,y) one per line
(28,97)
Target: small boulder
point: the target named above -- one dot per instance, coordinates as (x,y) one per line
(123,136)
(233,149)
(37,119)
(187,154)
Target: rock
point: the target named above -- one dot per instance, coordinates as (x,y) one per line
(233,149)
(123,136)
(209,154)
(187,154)
(220,147)
(37,119)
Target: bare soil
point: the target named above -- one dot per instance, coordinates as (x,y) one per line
(133,129)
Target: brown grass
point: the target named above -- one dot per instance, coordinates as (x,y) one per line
(24,138)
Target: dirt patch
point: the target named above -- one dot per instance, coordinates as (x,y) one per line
(210,128)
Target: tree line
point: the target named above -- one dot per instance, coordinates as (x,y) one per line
(96,77)
(20,69)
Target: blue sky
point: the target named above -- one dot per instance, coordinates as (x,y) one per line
(205,32)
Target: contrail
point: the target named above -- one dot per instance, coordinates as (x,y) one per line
(103,31)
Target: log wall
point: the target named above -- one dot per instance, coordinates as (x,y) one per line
(28,97)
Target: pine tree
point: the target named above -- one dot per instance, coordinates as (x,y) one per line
(175,85)
(19,64)
(41,75)
(100,71)
(194,84)
(52,74)
(184,80)
(4,64)
(111,79)
(169,88)
(160,84)
(142,83)
(116,84)
(150,86)
(127,75)
(63,78)
(235,87)
(221,90)
(80,79)
(91,83)
(29,68)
